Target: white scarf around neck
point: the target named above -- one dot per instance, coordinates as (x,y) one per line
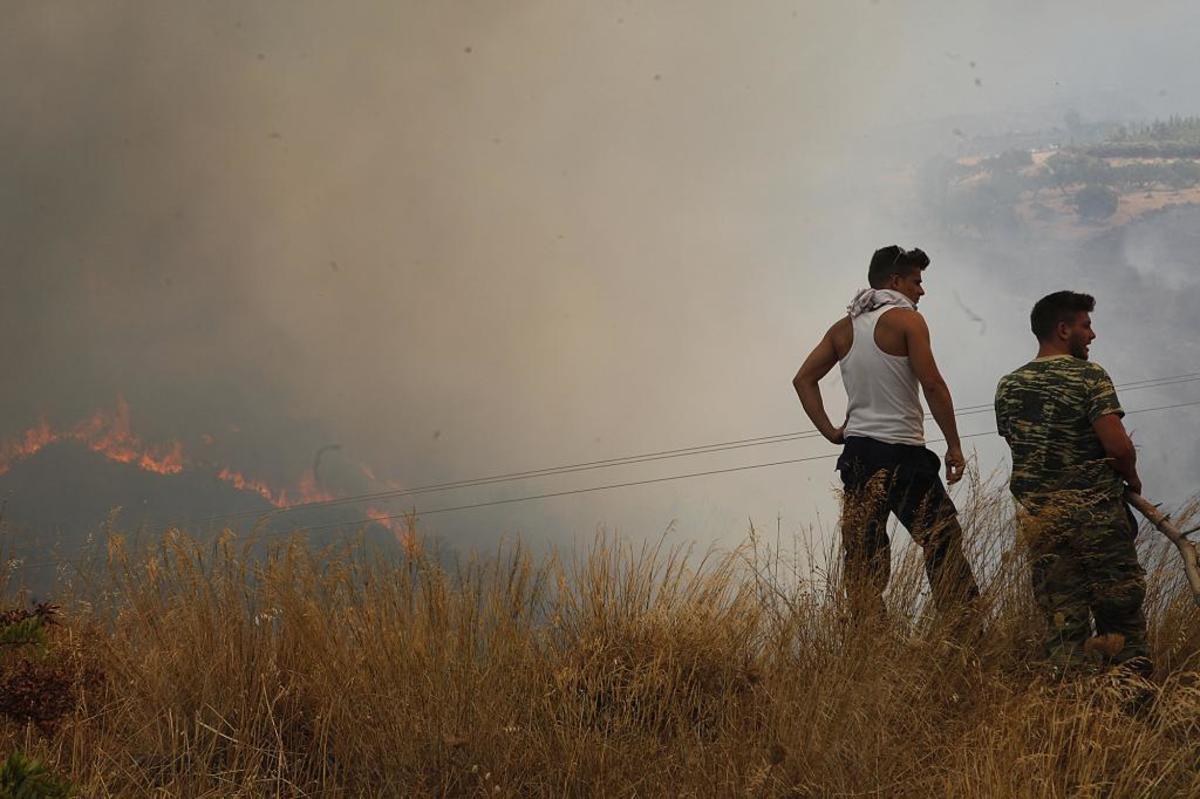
(870,299)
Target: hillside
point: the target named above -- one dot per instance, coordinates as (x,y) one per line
(1069,191)
(60,502)
(622,671)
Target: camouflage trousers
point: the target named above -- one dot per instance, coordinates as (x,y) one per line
(1085,570)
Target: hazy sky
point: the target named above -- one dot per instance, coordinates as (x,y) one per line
(462,238)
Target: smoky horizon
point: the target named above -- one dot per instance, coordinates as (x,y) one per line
(334,251)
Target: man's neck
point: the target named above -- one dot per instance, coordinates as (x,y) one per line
(1051,350)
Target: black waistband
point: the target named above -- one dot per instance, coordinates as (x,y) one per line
(874,455)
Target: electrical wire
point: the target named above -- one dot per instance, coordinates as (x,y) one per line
(628,460)
(591,489)
(669,478)
(632,483)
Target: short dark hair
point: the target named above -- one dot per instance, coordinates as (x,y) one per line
(1061,306)
(894,260)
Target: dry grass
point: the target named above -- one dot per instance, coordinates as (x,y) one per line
(625,671)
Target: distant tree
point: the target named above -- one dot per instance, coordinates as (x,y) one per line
(1139,174)
(1182,174)
(1067,167)
(988,205)
(1096,203)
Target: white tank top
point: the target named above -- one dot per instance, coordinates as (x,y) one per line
(882,388)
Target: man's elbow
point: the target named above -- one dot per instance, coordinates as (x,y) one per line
(1121,451)
(1118,446)
(934,385)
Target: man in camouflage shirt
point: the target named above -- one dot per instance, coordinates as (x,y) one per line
(1072,461)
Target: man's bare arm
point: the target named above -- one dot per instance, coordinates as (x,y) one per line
(937,393)
(1118,447)
(817,365)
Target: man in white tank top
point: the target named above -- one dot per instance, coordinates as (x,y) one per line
(883,347)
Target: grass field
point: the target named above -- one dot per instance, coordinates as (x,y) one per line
(622,671)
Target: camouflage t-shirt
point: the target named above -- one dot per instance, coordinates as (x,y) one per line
(1045,411)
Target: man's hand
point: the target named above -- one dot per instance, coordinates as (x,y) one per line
(955,464)
(838,436)
(1135,485)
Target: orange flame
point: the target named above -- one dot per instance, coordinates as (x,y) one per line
(28,444)
(404,533)
(110,433)
(168,460)
(309,491)
(243,483)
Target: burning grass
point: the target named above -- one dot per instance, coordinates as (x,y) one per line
(198,671)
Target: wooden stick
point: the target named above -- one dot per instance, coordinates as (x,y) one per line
(1187,550)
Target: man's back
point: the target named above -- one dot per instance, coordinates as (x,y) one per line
(881,386)
(1046,409)
(889,335)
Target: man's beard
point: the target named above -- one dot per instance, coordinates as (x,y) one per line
(1079,349)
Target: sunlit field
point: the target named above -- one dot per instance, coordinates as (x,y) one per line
(194,669)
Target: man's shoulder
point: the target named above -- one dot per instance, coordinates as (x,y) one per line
(1078,372)
(841,336)
(1038,376)
(1070,381)
(900,318)
(1016,377)
(841,329)
(902,314)
(1055,370)
(1093,372)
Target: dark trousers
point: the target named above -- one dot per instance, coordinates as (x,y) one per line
(881,479)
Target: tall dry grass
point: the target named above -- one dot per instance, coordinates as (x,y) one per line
(625,670)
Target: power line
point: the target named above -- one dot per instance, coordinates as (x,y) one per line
(632,483)
(605,487)
(627,460)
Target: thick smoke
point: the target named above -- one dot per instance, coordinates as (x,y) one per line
(460,239)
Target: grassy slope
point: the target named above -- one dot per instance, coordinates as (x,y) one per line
(624,672)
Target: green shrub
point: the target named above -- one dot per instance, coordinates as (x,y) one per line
(27,632)
(23,777)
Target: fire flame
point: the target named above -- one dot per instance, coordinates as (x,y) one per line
(110,433)
(309,491)
(404,533)
(27,444)
(107,433)
(243,483)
